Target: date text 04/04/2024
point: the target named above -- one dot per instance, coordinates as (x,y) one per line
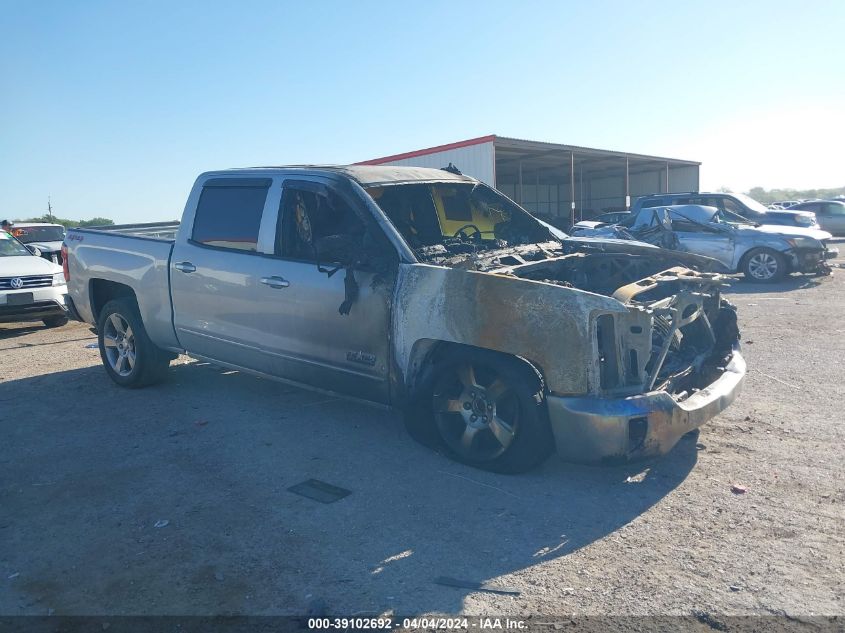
(387,623)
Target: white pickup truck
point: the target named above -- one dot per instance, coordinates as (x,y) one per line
(424,290)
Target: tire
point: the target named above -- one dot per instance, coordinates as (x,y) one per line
(486,409)
(763,265)
(129,357)
(55,321)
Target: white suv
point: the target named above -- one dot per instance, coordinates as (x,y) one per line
(31,288)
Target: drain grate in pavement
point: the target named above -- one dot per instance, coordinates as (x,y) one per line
(319,491)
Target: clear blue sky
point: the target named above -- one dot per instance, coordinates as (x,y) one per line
(112,108)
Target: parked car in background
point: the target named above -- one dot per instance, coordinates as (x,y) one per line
(786,204)
(764,253)
(47,238)
(612,217)
(736,203)
(830,214)
(427,291)
(31,288)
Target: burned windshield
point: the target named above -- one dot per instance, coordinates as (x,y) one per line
(461,217)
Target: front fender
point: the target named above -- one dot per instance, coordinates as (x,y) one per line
(549,325)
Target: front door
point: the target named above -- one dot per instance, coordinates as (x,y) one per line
(716,242)
(326,313)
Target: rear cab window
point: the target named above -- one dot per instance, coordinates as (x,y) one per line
(229,213)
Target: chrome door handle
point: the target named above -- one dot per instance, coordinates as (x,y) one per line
(275,282)
(185,267)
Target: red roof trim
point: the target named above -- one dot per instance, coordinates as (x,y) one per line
(430,150)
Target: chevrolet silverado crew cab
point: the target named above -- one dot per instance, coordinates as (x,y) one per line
(499,337)
(31,288)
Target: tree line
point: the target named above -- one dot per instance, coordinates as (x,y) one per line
(767,196)
(70,223)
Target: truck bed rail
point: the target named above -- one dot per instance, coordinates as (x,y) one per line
(152,230)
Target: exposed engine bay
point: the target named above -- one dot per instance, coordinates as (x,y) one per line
(671,332)
(677,331)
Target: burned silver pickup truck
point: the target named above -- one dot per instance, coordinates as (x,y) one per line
(423,290)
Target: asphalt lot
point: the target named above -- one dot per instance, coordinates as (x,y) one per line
(87,471)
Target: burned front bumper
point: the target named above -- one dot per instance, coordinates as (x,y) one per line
(607,429)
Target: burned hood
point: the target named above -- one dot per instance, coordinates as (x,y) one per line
(633,247)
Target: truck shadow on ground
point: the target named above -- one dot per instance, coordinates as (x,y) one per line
(213,453)
(13,330)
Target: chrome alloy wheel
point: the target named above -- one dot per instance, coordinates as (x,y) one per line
(119,344)
(763,266)
(476,412)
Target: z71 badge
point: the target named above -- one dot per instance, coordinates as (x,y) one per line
(362,358)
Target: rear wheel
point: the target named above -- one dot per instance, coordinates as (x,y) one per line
(488,410)
(55,321)
(764,265)
(130,358)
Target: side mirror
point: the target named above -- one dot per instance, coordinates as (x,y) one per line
(34,250)
(340,248)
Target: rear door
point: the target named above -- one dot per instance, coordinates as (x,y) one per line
(216,268)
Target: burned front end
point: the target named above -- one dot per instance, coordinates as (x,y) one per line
(635,348)
(662,366)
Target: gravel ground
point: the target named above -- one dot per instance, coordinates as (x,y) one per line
(88,470)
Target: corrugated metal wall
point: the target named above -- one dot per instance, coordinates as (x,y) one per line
(603,193)
(683,178)
(473,160)
(551,200)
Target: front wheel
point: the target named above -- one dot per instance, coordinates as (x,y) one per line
(489,411)
(764,265)
(129,356)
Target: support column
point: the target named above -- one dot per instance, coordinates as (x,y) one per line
(572,187)
(627,187)
(520,183)
(667,176)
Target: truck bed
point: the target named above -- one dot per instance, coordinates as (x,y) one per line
(135,257)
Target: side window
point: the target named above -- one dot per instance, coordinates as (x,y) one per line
(734,207)
(229,213)
(316,224)
(412,211)
(832,208)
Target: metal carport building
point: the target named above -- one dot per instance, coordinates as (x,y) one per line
(558,181)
